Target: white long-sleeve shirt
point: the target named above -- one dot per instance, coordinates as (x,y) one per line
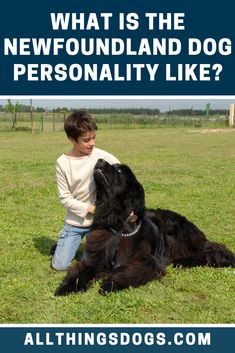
(76,185)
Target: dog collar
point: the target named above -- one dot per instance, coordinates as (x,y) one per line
(119,233)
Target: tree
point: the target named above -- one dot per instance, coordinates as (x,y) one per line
(12,108)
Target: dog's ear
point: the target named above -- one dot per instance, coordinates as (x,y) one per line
(135,197)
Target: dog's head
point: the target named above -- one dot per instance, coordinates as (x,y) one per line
(118,193)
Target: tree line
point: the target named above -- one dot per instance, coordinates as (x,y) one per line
(18,108)
(197,112)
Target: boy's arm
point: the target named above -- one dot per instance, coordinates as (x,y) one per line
(67,199)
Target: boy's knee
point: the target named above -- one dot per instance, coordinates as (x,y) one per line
(59,266)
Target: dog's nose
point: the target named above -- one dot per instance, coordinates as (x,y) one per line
(101,163)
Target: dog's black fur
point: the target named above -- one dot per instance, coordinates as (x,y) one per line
(123,260)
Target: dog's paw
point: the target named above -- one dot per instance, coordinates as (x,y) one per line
(60,291)
(102,292)
(107,287)
(179,266)
(64,289)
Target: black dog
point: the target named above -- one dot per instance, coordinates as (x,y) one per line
(130,245)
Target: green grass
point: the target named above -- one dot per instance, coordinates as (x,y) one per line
(187,170)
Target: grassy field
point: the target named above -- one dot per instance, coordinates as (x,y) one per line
(190,171)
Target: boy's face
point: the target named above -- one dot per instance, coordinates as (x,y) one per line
(85,143)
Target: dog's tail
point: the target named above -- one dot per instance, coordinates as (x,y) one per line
(218,255)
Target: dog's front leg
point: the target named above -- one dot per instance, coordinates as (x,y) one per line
(77,279)
(135,274)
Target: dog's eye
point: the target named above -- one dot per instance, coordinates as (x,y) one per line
(119,170)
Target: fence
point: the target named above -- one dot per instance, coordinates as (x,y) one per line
(232,115)
(40,122)
(53,122)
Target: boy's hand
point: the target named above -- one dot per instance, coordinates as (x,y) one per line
(91,209)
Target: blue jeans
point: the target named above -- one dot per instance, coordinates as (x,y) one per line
(67,246)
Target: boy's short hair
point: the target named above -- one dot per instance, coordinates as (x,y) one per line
(77,123)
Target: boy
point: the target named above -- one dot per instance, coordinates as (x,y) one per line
(76,185)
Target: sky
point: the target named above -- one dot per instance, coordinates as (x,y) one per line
(162,104)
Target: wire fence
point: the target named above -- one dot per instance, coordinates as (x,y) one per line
(54,122)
